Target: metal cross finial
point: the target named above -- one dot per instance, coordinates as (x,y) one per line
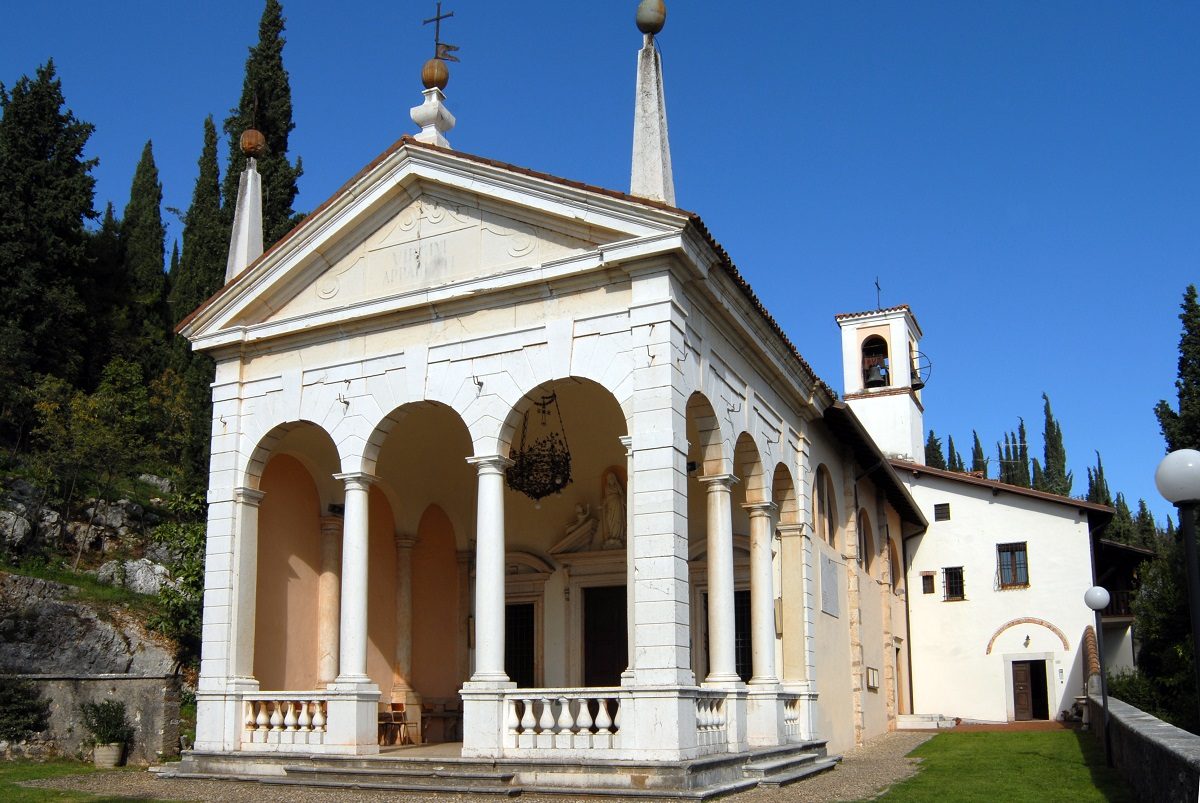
(440,49)
(878,290)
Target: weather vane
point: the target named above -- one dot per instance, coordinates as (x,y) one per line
(878,291)
(441,50)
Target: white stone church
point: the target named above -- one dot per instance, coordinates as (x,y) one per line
(523,467)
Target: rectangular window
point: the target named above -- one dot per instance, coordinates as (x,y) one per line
(941,512)
(952,583)
(1012,563)
(872,679)
(927,582)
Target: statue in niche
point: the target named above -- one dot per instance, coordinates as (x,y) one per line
(614,512)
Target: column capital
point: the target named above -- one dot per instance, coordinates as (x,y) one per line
(405,541)
(248,496)
(627,442)
(715,481)
(357,480)
(490,463)
(756,509)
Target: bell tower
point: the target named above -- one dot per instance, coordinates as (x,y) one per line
(882,378)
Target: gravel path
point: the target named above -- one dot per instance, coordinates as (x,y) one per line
(864,773)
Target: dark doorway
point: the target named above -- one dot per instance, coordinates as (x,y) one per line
(1030,699)
(742,644)
(605,635)
(519,642)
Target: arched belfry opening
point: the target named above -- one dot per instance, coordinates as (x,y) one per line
(876,368)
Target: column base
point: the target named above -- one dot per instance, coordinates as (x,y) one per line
(354,683)
(489,680)
(723,682)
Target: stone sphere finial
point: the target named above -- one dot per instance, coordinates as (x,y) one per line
(651,16)
(253,143)
(435,74)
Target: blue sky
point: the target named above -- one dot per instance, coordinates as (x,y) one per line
(1025,175)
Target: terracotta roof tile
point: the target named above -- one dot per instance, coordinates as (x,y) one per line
(842,316)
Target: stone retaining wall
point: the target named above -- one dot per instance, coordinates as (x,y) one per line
(1159,761)
(151,704)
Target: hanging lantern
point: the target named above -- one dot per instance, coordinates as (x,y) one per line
(542,463)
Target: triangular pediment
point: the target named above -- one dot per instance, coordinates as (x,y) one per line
(421,223)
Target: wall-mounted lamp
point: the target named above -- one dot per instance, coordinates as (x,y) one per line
(1027,641)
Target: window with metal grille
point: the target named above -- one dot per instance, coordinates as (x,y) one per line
(1012,565)
(952,583)
(927,582)
(941,512)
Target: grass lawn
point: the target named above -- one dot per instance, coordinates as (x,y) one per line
(1011,766)
(12,772)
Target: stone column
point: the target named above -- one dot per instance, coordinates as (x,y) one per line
(402,690)
(245,588)
(627,675)
(329,599)
(489,570)
(762,593)
(352,670)
(722,669)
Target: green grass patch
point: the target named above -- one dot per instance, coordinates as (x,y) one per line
(1011,766)
(13,772)
(89,588)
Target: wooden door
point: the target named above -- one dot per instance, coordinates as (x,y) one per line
(1022,693)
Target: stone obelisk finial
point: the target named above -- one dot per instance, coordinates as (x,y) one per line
(246,242)
(432,115)
(651,175)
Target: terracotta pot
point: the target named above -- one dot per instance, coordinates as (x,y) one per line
(107,756)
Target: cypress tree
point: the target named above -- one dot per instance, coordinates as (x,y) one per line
(142,242)
(1097,485)
(978,461)
(266,104)
(104,296)
(1181,429)
(1005,459)
(1144,527)
(955,462)
(933,452)
(46,192)
(1021,456)
(1055,479)
(1121,527)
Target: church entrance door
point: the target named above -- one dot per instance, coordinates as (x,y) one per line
(519,643)
(605,637)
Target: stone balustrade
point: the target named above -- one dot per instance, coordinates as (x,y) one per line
(710,719)
(793,724)
(273,720)
(562,719)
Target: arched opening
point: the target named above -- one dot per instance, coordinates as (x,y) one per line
(866,541)
(294,467)
(876,369)
(896,566)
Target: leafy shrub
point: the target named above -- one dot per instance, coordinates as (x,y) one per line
(107,723)
(23,712)
(182,604)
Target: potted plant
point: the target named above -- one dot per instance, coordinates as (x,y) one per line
(110,730)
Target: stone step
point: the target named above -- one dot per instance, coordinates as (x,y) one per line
(770,766)
(448,785)
(666,793)
(800,773)
(426,776)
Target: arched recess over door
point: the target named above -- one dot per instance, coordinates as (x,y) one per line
(290,465)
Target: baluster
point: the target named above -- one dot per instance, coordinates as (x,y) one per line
(527,720)
(546,720)
(251,722)
(584,720)
(289,719)
(719,714)
(318,720)
(566,722)
(276,716)
(261,721)
(511,721)
(703,720)
(603,720)
(616,726)
(304,720)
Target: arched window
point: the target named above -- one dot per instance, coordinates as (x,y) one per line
(866,542)
(825,507)
(875,367)
(897,570)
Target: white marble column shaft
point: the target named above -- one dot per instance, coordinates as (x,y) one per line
(762,593)
(489,569)
(245,585)
(722,656)
(352,669)
(627,675)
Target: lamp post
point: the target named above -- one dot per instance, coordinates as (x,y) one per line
(1178,480)
(1097,599)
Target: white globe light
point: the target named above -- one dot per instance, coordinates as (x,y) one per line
(1096,598)
(1178,476)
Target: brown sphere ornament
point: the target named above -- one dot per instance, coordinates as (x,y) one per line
(435,74)
(253,143)
(651,16)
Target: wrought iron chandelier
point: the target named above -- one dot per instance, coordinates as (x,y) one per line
(541,466)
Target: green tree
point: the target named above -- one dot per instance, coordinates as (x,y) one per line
(978,461)
(1053,477)
(1021,456)
(46,192)
(1147,532)
(142,241)
(182,603)
(933,452)
(266,104)
(1181,428)
(1097,485)
(105,295)
(955,461)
